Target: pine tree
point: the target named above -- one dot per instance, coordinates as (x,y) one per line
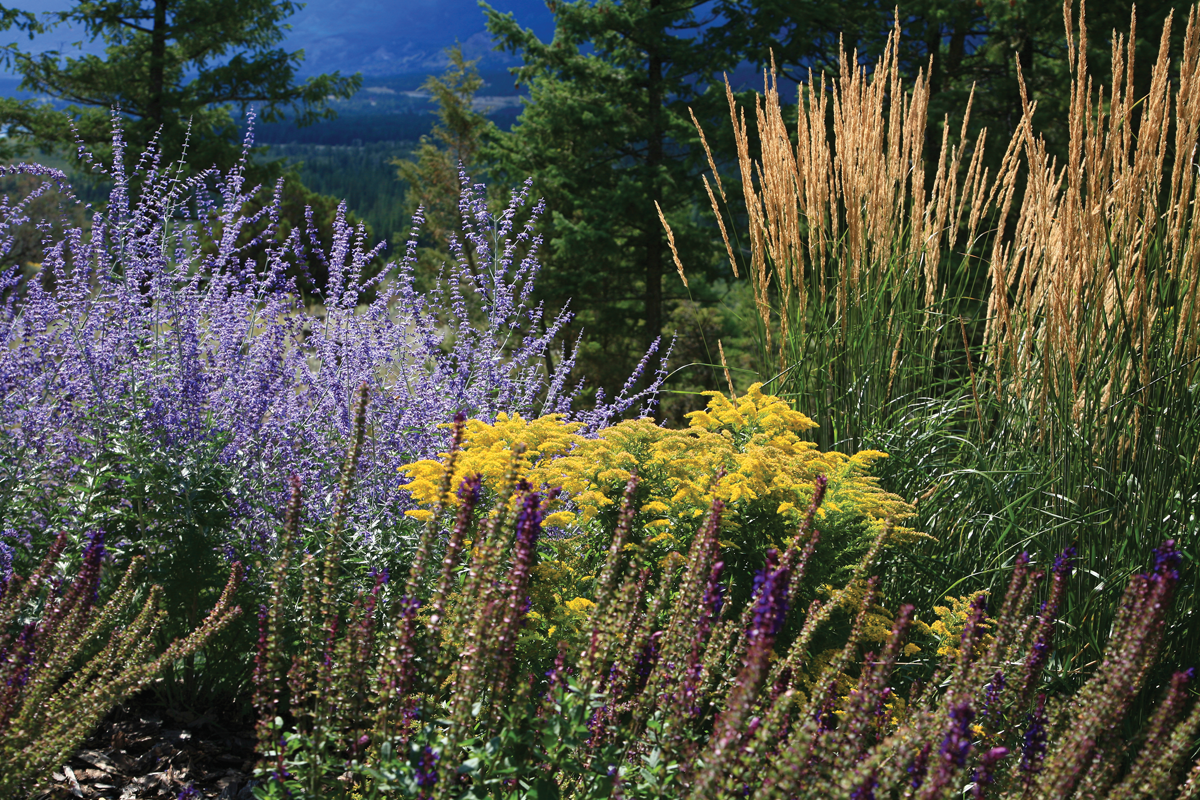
(175,69)
(606,135)
(454,145)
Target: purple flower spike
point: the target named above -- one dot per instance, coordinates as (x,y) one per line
(771,600)
(985,774)
(714,593)
(89,574)
(1167,560)
(469,490)
(529,525)
(957,741)
(425,773)
(919,768)
(991,700)
(1064,562)
(1033,750)
(6,567)
(866,789)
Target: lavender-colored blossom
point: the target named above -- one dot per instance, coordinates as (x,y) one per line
(425,772)
(89,573)
(919,767)
(1166,562)
(469,491)
(1064,562)
(6,567)
(770,600)
(714,597)
(161,325)
(991,699)
(957,741)
(646,661)
(529,525)
(866,789)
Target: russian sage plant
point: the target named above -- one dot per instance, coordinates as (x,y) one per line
(161,326)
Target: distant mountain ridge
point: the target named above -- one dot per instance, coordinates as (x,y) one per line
(379,38)
(374,37)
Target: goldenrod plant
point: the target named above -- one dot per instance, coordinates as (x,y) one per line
(751,453)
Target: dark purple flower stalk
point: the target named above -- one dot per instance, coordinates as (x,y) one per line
(1043,637)
(6,567)
(952,753)
(866,789)
(426,772)
(804,544)
(1106,698)
(985,773)
(973,631)
(865,708)
(991,700)
(919,767)
(769,609)
(770,603)
(469,492)
(517,603)
(89,574)
(710,610)
(1033,748)
(1168,712)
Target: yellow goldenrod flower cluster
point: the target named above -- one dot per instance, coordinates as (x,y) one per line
(756,442)
(751,453)
(952,619)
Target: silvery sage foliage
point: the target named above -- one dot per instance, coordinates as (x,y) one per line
(161,325)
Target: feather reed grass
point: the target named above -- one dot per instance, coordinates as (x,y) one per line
(1024,343)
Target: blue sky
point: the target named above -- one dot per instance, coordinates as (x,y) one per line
(376,37)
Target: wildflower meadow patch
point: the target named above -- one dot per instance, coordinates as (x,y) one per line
(377,527)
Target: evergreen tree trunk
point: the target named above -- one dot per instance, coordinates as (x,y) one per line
(654,160)
(158,64)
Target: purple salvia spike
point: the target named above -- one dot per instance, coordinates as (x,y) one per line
(1033,748)
(952,752)
(985,773)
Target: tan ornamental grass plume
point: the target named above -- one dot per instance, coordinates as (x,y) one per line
(829,213)
(1083,255)
(1095,291)
(1025,340)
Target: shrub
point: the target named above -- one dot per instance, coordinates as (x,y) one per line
(147,327)
(749,453)
(66,659)
(679,691)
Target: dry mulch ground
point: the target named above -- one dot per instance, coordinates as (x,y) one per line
(144,752)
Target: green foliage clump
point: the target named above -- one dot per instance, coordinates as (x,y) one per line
(170,507)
